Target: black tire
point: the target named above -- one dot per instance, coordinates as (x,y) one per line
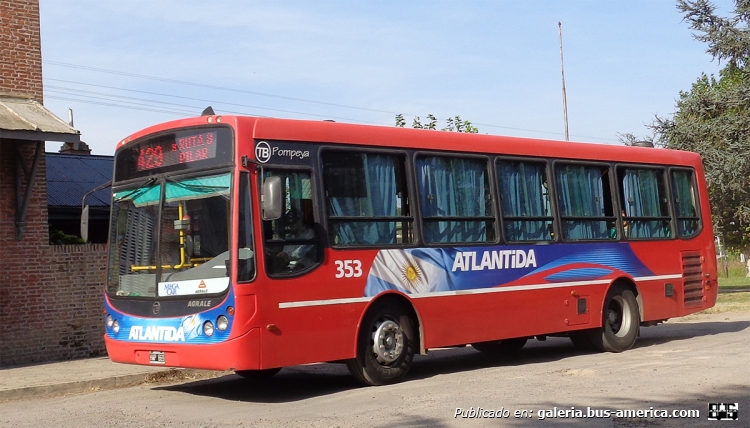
(506,346)
(393,329)
(620,321)
(257,375)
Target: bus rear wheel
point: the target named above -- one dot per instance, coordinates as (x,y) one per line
(506,346)
(385,346)
(620,321)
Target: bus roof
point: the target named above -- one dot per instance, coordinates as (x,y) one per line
(395,137)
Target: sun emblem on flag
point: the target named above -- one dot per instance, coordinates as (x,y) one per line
(411,275)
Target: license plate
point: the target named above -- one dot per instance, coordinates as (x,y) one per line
(156,357)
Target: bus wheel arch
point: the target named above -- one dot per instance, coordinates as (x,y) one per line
(621,317)
(633,286)
(388,336)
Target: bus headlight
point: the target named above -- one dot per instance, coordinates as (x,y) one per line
(115,326)
(110,321)
(222,323)
(208,328)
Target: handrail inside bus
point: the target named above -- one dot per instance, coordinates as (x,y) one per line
(184,261)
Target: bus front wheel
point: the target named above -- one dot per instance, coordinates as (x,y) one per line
(620,321)
(385,346)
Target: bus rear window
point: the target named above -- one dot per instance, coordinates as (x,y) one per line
(686,208)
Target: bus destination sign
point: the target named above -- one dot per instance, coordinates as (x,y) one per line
(179,150)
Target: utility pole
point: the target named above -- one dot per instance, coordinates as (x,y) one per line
(565,100)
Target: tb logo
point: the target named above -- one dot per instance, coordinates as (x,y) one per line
(262,152)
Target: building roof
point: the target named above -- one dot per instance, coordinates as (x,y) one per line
(69,177)
(26,119)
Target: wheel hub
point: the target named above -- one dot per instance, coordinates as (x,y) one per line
(618,316)
(388,341)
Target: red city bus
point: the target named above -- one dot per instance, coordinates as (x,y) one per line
(255,243)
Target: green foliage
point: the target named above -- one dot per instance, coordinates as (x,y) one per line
(629,139)
(400,121)
(727,38)
(713,117)
(452,124)
(58,237)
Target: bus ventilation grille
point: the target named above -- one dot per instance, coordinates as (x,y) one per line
(692,274)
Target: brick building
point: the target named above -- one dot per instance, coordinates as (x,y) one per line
(50,296)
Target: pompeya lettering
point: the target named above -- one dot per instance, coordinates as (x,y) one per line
(157,333)
(291,154)
(493,260)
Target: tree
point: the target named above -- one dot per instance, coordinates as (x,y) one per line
(629,139)
(453,124)
(713,117)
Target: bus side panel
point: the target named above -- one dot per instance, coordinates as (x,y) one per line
(692,268)
(655,304)
(311,334)
(304,322)
(454,320)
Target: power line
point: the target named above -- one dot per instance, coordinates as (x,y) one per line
(202,85)
(173,112)
(214,102)
(235,90)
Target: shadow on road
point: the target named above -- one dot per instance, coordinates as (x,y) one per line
(657,412)
(671,332)
(302,382)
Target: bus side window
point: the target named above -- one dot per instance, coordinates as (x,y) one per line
(643,197)
(686,209)
(456,201)
(525,201)
(366,199)
(585,202)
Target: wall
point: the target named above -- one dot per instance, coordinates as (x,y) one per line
(50,295)
(20,48)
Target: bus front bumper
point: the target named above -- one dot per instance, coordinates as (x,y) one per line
(241,353)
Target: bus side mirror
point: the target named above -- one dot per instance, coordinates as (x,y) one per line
(85,211)
(271,198)
(85,223)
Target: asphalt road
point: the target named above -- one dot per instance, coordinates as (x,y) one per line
(681,365)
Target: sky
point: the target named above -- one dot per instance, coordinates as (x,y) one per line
(123,65)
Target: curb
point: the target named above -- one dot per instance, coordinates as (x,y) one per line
(108,383)
(733,290)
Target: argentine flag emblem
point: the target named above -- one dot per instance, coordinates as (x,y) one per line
(414,271)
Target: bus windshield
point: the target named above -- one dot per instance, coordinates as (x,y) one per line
(191,254)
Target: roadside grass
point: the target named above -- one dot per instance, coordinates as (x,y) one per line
(732,274)
(735,282)
(730,302)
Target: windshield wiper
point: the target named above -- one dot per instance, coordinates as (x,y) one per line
(148,182)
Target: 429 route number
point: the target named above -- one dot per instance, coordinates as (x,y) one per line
(348,268)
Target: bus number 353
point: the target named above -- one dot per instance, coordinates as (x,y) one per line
(348,268)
